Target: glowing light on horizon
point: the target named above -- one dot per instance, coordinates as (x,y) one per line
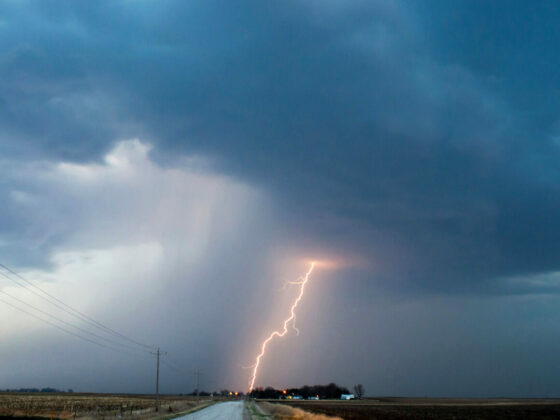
(292,318)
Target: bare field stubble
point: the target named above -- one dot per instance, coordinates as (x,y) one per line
(83,406)
(418,408)
(284,411)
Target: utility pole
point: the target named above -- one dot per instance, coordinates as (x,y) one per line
(158,354)
(197,373)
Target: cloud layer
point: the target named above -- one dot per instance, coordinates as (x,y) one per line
(414,144)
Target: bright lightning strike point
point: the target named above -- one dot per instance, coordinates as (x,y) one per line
(284,330)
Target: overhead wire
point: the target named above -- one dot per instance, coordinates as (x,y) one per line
(173,366)
(135,349)
(65,307)
(179,370)
(66,330)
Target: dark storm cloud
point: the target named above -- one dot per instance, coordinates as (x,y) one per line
(374,113)
(421,137)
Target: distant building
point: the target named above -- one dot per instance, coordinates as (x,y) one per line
(347,397)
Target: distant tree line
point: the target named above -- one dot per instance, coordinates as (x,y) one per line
(228,393)
(200,393)
(52,390)
(331,390)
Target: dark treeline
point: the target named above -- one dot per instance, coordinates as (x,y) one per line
(200,394)
(34,390)
(331,390)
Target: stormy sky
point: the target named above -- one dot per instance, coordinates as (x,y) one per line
(166,167)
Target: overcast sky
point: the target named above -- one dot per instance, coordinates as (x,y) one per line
(167,166)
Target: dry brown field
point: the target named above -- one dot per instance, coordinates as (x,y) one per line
(99,406)
(427,408)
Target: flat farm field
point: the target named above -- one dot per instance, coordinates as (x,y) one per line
(83,406)
(428,408)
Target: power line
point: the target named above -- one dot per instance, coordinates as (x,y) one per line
(185,373)
(176,369)
(67,331)
(177,366)
(79,315)
(70,324)
(70,310)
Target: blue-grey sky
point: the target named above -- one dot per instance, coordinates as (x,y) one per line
(167,166)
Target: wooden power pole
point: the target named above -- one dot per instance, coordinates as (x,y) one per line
(197,373)
(158,354)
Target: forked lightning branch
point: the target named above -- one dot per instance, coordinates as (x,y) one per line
(291,319)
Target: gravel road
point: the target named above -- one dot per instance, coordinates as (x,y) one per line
(233,410)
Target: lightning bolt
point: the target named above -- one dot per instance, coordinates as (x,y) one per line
(284,331)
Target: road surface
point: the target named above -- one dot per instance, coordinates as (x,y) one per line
(232,410)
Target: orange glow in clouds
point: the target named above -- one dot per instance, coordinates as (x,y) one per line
(284,331)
